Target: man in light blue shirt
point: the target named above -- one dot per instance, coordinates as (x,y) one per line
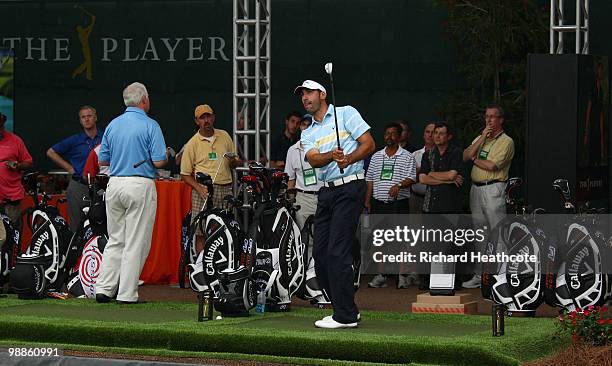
(133,146)
(341,200)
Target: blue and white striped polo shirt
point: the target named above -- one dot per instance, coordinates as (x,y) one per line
(322,136)
(404,166)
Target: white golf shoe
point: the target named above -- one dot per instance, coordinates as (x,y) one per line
(329,323)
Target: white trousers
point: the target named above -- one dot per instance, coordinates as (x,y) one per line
(488,206)
(131,203)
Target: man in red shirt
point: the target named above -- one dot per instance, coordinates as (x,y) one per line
(14,157)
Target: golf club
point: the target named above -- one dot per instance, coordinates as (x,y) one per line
(228,154)
(169,150)
(328,69)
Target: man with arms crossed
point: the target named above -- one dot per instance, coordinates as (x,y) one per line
(341,198)
(131,197)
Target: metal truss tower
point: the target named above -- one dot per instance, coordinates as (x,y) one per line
(558,26)
(251,77)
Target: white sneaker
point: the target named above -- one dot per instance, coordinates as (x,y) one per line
(330,317)
(329,323)
(379,281)
(474,282)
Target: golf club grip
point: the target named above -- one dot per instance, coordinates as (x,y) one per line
(140,163)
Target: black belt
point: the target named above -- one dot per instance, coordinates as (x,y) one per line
(480,184)
(391,202)
(307,192)
(222,185)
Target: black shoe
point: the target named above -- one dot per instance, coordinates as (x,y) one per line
(120,302)
(102,299)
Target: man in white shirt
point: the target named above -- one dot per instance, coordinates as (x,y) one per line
(303,178)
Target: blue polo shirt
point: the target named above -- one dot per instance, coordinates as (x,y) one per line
(321,135)
(129,139)
(76,149)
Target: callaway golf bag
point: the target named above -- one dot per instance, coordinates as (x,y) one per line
(185,251)
(51,254)
(310,289)
(224,265)
(94,235)
(279,251)
(516,285)
(9,248)
(579,279)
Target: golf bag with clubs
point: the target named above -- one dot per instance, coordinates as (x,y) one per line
(516,285)
(279,251)
(310,289)
(45,265)
(224,265)
(9,248)
(185,251)
(579,279)
(94,235)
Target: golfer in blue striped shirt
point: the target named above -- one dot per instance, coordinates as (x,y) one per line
(341,199)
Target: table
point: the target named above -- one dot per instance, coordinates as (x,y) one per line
(173,203)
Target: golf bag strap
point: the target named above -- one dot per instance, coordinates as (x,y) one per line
(271,281)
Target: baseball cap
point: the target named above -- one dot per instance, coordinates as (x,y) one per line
(203,108)
(309,84)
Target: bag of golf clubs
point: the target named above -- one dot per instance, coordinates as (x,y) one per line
(279,269)
(9,248)
(45,265)
(185,251)
(310,289)
(516,285)
(224,265)
(94,235)
(579,278)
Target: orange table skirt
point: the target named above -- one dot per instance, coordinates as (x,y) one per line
(173,203)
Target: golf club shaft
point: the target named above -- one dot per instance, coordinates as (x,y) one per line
(214,179)
(142,162)
(331,80)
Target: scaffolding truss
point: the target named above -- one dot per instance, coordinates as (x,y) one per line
(251,78)
(558,26)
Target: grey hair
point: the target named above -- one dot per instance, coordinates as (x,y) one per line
(133,94)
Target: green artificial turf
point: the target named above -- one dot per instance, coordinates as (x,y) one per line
(381,337)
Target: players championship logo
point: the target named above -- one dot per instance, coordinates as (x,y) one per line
(89,267)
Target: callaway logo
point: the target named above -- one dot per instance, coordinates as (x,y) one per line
(210,253)
(575,265)
(575,282)
(289,254)
(41,239)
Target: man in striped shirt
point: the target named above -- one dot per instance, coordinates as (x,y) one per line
(340,200)
(391,172)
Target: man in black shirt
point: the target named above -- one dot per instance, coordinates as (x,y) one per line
(441,171)
(282,143)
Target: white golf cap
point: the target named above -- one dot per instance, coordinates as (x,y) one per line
(309,84)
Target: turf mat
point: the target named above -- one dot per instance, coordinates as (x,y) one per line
(381,337)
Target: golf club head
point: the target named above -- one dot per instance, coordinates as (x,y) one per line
(329,67)
(230,155)
(562,186)
(171,152)
(513,184)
